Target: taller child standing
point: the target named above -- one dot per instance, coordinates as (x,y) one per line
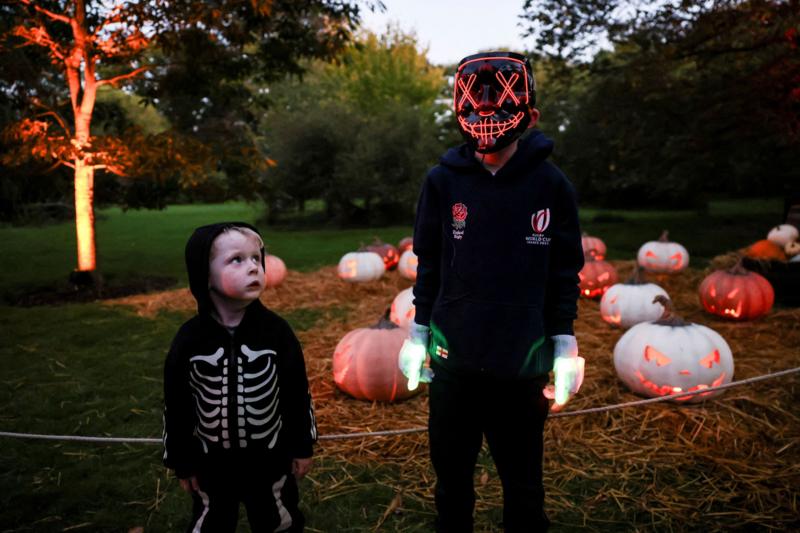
(238,420)
(499,252)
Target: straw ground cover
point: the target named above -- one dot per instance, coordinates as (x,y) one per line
(730,463)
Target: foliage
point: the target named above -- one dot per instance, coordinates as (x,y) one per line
(694,99)
(359,133)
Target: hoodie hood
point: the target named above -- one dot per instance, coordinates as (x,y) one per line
(532,149)
(198,252)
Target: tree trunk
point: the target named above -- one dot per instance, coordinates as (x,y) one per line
(84,215)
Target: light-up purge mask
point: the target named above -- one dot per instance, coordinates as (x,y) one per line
(494,93)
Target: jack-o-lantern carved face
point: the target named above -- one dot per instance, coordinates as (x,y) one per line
(596,277)
(657,360)
(737,294)
(492,99)
(663,256)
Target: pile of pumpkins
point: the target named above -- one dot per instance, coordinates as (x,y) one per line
(369,263)
(365,361)
(781,244)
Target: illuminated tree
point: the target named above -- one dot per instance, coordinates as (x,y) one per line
(88,44)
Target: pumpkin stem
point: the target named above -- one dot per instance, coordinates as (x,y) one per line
(738,269)
(385,322)
(636,277)
(668,318)
(664,236)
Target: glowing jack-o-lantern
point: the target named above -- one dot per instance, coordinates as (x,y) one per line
(783,234)
(596,277)
(627,304)
(737,294)
(663,255)
(387,252)
(594,247)
(670,356)
(365,363)
(408,265)
(403,311)
(360,266)
(274,270)
(406,243)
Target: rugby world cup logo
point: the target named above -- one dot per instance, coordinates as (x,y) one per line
(540,220)
(459,215)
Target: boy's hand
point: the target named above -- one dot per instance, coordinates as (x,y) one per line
(301,467)
(413,354)
(567,371)
(189,484)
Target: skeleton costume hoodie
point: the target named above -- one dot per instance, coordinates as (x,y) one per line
(239,392)
(499,257)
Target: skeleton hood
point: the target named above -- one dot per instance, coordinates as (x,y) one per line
(198,251)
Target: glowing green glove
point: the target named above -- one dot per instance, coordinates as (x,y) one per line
(567,370)
(413,354)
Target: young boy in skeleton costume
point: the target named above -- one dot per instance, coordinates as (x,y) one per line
(496,293)
(238,420)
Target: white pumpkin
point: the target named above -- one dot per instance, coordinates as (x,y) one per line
(274,270)
(361,266)
(663,255)
(795,259)
(627,304)
(783,234)
(403,310)
(408,265)
(669,356)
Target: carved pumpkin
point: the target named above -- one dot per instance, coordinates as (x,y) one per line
(406,243)
(365,363)
(594,247)
(387,252)
(274,270)
(737,294)
(403,311)
(669,356)
(783,234)
(408,265)
(360,266)
(627,304)
(663,255)
(766,250)
(596,277)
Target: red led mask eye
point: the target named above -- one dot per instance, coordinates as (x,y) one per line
(494,93)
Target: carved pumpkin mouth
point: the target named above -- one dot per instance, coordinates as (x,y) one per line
(665,390)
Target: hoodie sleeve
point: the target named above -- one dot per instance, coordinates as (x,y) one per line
(297,410)
(427,247)
(566,260)
(180,444)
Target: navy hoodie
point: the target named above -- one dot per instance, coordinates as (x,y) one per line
(499,257)
(233,396)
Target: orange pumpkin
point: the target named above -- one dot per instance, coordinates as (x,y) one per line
(387,252)
(274,270)
(594,247)
(737,294)
(365,363)
(765,249)
(406,243)
(596,277)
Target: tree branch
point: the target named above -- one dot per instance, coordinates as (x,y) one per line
(46,12)
(58,118)
(116,79)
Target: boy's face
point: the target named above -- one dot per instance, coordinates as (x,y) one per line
(493,100)
(235,271)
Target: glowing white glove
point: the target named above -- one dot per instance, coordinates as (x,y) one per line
(567,370)
(413,354)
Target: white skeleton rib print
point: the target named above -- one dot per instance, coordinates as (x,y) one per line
(236,397)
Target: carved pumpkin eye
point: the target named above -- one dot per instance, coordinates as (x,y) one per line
(650,254)
(651,354)
(677,257)
(709,360)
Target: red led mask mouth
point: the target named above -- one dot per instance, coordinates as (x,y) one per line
(493,95)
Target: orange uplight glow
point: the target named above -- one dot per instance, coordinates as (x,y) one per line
(84,217)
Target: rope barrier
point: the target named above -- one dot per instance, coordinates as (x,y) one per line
(420,429)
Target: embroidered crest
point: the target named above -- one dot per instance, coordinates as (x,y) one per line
(459,212)
(540,220)
(441,352)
